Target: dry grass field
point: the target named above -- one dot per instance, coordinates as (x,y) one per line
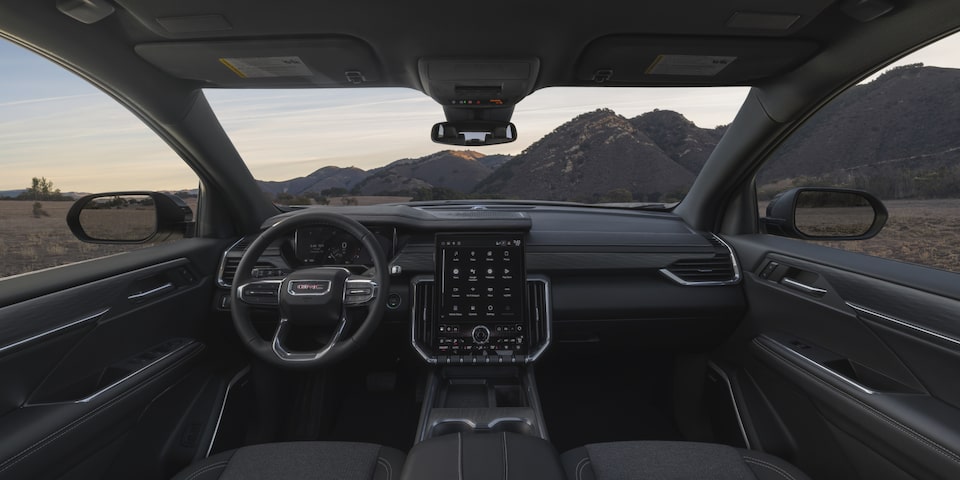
(29,243)
(926,232)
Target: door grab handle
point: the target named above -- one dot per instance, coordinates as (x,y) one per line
(803,287)
(149,293)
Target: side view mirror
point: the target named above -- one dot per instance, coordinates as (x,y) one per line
(825,214)
(474,133)
(129,217)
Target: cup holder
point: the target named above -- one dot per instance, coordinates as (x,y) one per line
(513,425)
(446,427)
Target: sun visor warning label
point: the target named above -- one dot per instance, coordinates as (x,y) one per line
(267,67)
(689,65)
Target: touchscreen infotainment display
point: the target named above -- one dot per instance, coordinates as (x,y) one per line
(482,278)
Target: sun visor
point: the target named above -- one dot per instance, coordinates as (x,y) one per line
(642,60)
(478,83)
(323,62)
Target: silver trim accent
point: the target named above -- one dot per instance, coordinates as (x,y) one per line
(735,265)
(131,375)
(823,368)
(803,287)
(733,400)
(903,323)
(223,406)
(149,293)
(53,331)
(223,264)
(286,356)
(328,283)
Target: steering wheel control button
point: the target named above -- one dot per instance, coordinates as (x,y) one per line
(258,293)
(481,334)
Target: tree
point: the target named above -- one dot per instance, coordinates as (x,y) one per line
(42,189)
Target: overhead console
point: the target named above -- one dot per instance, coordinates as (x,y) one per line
(480,307)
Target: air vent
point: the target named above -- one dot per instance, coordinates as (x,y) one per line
(230,261)
(539,321)
(720,269)
(422,315)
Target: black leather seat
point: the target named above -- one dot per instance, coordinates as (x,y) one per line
(674,461)
(300,460)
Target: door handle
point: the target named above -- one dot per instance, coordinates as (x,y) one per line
(136,297)
(803,287)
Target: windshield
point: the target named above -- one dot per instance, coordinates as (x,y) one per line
(367,146)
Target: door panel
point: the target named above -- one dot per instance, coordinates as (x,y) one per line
(80,365)
(872,351)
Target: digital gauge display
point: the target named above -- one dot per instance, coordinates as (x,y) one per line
(327,246)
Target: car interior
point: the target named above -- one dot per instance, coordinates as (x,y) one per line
(478,338)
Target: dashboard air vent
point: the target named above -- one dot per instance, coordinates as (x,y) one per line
(230,261)
(720,269)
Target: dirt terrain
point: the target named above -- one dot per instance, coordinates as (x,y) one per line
(918,231)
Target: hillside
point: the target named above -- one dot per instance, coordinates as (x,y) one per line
(323,179)
(869,138)
(594,157)
(455,170)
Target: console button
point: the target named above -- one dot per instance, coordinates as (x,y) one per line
(481,334)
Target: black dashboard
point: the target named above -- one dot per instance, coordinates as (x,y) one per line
(576,276)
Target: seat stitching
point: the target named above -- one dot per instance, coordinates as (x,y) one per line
(932,445)
(43,442)
(459,456)
(761,463)
(386,466)
(580,466)
(506,461)
(212,466)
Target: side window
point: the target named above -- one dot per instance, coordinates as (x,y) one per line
(897,136)
(61,138)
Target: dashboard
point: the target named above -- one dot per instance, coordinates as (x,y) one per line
(576,277)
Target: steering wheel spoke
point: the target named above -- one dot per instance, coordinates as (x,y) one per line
(284,354)
(360,291)
(260,292)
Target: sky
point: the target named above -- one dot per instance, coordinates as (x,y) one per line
(55,125)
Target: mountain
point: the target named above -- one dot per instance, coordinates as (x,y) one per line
(682,141)
(871,138)
(455,170)
(323,179)
(596,156)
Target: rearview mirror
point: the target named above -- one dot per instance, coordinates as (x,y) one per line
(825,214)
(474,133)
(129,217)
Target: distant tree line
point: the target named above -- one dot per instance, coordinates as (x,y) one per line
(41,189)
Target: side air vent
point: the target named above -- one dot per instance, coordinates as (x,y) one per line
(422,316)
(539,320)
(230,261)
(720,269)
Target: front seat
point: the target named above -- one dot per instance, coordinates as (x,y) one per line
(300,460)
(674,461)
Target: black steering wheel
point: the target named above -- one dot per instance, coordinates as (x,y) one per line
(311,297)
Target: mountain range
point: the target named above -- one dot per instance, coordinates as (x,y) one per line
(603,156)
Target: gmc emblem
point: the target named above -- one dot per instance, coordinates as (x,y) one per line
(308,287)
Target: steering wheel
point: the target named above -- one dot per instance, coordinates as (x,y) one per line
(310,297)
